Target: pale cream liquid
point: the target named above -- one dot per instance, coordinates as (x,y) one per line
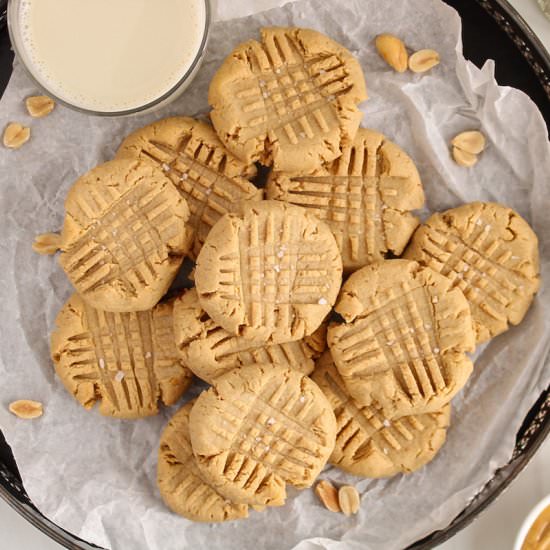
(111,55)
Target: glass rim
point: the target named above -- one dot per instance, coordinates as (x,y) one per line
(13,28)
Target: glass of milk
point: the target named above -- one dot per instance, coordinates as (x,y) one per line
(110,57)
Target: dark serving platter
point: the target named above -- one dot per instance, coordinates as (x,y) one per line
(492,29)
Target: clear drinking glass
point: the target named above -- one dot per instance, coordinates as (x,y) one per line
(14,27)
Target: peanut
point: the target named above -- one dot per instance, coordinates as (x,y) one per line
(27,409)
(39,105)
(393,51)
(423,60)
(328,495)
(47,243)
(16,135)
(349,500)
(463,158)
(471,141)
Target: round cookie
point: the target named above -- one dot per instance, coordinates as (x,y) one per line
(402,346)
(270,274)
(289,100)
(488,251)
(368,443)
(258,428)
(180,483)
(210,351)
(211,179)
(124,236)
(127,361)
(365,197)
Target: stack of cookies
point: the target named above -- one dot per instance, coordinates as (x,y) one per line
(339,202)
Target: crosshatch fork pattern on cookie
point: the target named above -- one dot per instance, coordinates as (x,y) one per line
(365,196)
(129,357)
(478,263)
(271,433)
(364,430)
(198,171)
(126,244)
(291,96)
(399,336)
(272,268)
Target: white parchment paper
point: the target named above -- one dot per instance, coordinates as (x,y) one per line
(96,476)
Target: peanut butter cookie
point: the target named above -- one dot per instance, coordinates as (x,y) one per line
(365,197)
(126,361)
(488,251)
(124,236)
(289,100)
(270,274)
(259,428)
(402,346)
(370,444)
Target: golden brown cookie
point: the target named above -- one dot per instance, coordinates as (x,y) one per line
(211,179)
(270,274)
(259,428)
(210,351)
(124,236)
(365,197)
(402,346)
(490,253)
(180,482)
(370,444)
(127,361)
(289,100)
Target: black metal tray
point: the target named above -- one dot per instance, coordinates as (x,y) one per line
(492,29)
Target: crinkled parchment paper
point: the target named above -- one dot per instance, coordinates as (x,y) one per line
(96,476)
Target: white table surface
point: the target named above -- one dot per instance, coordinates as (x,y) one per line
(496,528)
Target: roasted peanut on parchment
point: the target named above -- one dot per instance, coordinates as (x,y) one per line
(349,500)
(423,60)
(39,105)
(16,135)
(27,409)
(47,243)
(393,51)
(467,146)
(328,495)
